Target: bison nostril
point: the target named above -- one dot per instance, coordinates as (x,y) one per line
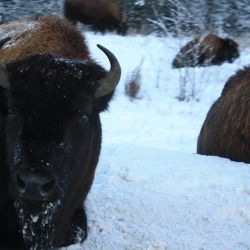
(36,186)
(20,183)
(47,187)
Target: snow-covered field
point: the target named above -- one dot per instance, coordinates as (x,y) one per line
(151,189)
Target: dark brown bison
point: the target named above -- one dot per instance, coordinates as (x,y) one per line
(226,130)
(102,15)
(206,51)
(51,94)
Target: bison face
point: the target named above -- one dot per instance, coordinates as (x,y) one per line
(231,50)
(53,132)
(52,126)
(50,145)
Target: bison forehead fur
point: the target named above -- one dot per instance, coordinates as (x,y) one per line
(226,130)
(51,94)
(54,83)
(206,51)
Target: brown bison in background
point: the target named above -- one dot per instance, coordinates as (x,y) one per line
(102,15)
(226,130)
(51,95)
(206,51)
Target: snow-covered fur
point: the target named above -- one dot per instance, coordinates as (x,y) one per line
(205,51)
(47,34)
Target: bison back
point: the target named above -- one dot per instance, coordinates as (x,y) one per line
(47,35)
(100,14)
(91,11)
(188,56)
(226,130)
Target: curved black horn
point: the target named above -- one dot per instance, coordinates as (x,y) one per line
(110,81)
(4,79)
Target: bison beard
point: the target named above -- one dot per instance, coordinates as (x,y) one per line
(53,141)
(38,229)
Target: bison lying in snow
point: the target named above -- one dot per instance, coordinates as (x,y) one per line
(51,95)
(226,130)
(102,15)
(205,51)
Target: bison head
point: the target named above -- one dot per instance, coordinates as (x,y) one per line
(231,50)
(53,135)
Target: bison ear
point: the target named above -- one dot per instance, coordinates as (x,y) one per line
(4,78)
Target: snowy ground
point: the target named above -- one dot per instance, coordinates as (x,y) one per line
(151,190)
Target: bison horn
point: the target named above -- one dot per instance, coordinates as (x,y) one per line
(4,79)
(109,82)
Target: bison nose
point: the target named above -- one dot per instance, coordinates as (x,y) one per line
(36,186)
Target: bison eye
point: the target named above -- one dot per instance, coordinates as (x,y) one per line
(84,120)
(10,112)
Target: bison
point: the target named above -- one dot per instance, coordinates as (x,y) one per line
(102,15)
(51,94)
(226,130)
(206,51)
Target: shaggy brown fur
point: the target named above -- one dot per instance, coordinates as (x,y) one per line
(45,35)
(226,130)
(102,15)
(205,51)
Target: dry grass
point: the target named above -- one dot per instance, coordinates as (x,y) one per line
(133,84)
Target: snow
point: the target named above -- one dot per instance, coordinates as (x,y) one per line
(15,30)
(151,189)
